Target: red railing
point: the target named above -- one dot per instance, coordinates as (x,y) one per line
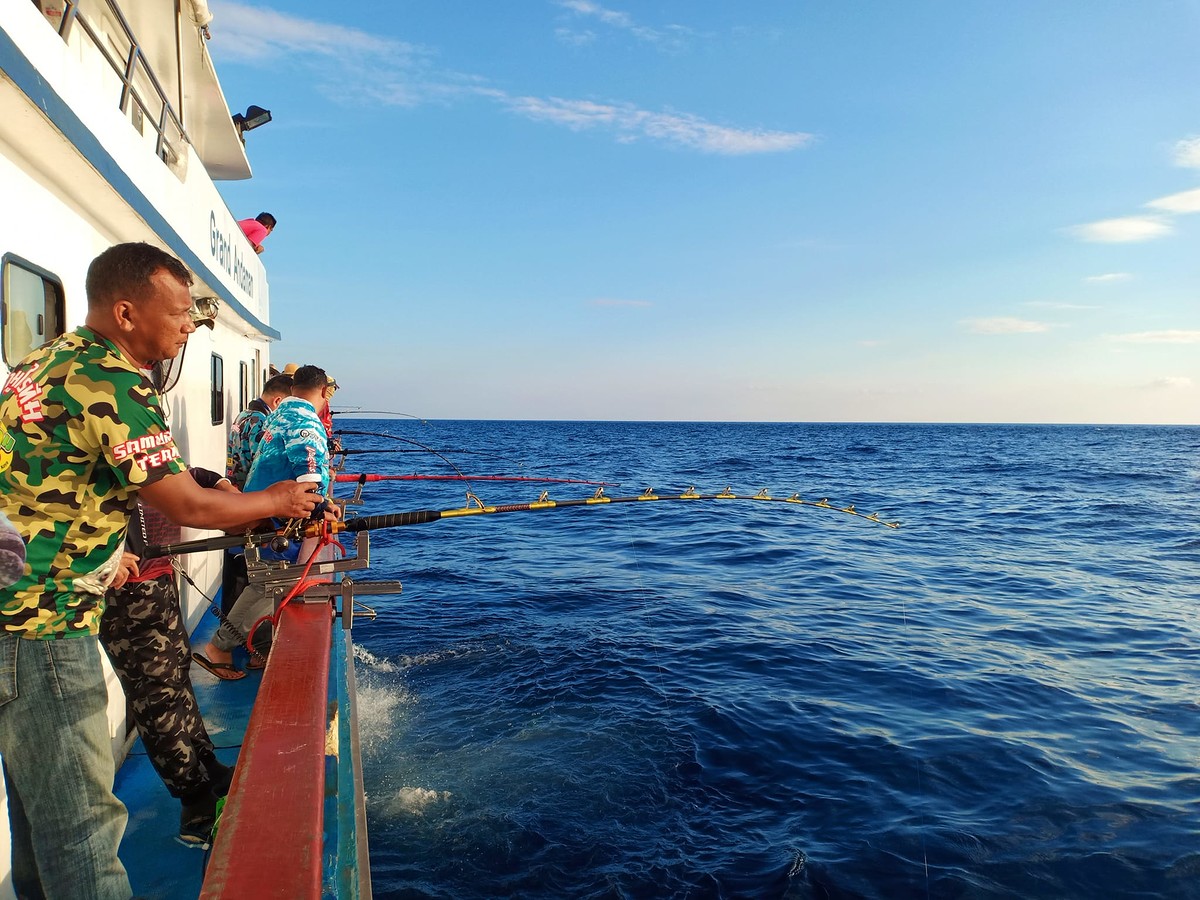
(270,840)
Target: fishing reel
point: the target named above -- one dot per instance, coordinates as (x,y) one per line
(294,530)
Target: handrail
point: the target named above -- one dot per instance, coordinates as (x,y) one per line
(270,839)
(127,71)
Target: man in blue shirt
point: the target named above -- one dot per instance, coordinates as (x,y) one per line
(293,445)
(244,437)
(247,428)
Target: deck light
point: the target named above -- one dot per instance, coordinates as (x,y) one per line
(204,311)
(255,116)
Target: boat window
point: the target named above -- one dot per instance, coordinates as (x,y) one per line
(218,390)
(33,308)
(243,385)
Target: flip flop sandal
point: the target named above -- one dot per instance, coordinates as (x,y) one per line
(224,671)
(255,664)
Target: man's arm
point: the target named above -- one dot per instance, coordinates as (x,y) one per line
(184,502)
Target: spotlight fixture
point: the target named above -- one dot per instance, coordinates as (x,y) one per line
(204,311)
(255,116)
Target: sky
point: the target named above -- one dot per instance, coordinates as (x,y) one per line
(886,210)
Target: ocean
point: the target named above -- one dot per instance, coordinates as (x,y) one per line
(725,699)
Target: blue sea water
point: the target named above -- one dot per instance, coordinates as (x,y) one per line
(761,700)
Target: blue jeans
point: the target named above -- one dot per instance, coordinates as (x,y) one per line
(58,768)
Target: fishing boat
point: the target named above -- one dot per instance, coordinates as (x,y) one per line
(113,128)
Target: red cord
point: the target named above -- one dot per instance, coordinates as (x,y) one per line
(302,583)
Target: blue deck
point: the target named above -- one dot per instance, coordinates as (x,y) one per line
(160,868)
(275,725)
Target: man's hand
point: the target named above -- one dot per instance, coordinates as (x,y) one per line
(127,568)
(293,499)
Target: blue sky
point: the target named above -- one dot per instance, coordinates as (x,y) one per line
(775,211)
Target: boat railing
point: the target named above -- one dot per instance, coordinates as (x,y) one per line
(297,799)
(142,97)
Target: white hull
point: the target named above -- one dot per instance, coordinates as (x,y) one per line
(76,176)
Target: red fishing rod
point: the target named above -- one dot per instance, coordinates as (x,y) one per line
(361,478)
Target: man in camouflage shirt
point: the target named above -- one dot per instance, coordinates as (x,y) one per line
(81,434)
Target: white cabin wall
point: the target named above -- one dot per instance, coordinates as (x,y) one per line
(72,186)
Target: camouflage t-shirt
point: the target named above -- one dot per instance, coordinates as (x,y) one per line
(81,430)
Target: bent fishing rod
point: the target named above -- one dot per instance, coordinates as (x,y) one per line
(298,529)
(359,411)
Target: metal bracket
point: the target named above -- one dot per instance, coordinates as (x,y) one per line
(277,578)
(357,499)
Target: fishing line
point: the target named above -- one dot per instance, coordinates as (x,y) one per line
(359,411)
(215,609)
(418,444)
(396,437)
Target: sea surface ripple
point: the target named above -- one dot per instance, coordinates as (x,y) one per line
(713,699)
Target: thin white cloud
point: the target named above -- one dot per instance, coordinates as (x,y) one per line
(1108,277)
(255,34)
(1187,153)
(1127,229)
(1171,336)
(870,342)
(670,36)
(612,301)
(1131,229)
(1004,325)
(595,10)
(1170,383)
(573,36)
(355,66)
(629,123)
(1182,203)
(1051,304)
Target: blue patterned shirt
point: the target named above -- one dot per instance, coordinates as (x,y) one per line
(244,435)
(293,444)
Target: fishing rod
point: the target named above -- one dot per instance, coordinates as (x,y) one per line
(415,477)
(403,440)
(476,507)
(382,434)
(359,411)
(395,450)
(421,448)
